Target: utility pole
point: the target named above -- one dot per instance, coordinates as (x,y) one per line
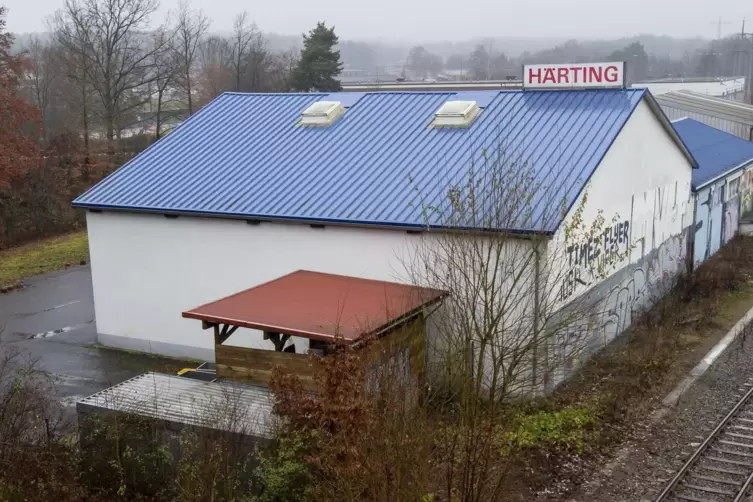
(489,59)
(719,24)
(747,39)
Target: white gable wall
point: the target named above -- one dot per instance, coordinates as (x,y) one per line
(147,269)
(642,188)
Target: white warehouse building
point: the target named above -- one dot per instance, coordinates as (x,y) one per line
(732,117)
(256,186)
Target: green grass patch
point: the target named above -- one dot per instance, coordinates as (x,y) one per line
(42,256)
(565,429)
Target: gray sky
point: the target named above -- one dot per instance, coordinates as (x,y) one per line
(428,20)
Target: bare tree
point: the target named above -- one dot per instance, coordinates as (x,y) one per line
(516,312)
(280,70)
(71,48)
(190,29)
(246,37)
(40,77)
(165,67)
(115,52)
(215,76)
(258,65)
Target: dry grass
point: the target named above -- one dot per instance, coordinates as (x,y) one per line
(625,381)
(42,256)
(670,338)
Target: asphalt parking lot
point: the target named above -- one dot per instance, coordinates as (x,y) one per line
(51,319)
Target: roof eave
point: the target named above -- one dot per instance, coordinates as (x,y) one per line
(716,178)
(519,233)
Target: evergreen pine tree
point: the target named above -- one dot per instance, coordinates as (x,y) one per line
(319,63)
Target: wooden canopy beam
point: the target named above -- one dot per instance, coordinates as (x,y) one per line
(222,332)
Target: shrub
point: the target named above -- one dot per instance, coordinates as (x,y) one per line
(283,474)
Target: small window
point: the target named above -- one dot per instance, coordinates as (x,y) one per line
(716,196)
(733,189)
(322,113)
(456,114)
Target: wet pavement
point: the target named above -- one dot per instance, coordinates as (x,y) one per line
(51,319)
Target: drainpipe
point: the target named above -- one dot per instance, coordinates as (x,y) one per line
(691,234)
(536,313)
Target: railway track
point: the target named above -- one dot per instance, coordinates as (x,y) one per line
(721,469)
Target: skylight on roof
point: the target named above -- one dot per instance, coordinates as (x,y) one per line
(322,113)
(456,114)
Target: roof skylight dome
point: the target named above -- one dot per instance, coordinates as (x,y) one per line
(322,113)
(456,114)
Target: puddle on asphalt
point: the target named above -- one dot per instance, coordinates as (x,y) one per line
(49,334)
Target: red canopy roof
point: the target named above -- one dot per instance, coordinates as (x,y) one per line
(319,306)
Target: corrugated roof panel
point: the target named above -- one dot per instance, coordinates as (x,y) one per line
(717,152)
(222,405)
(482,98)
(708,105)
(347,99)
(244,155)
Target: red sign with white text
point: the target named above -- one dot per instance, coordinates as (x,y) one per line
(578,76)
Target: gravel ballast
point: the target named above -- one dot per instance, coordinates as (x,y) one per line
(661,444)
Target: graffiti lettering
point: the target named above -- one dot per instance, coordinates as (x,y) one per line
(746,191)
(651,280)
(586,258)
(614,304)
(571,282)
(604,246)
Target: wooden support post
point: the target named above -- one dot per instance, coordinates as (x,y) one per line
(217,340)
(278,341)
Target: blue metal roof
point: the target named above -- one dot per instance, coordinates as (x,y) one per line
(246,156)
(716,152)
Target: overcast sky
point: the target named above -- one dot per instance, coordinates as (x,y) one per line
(430,20)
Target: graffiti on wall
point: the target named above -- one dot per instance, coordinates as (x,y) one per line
(654,246)
(655,216)
(746,191)
(616,303)
(635,293)
(586,258)
(703,225)
(731,218)
(717,216)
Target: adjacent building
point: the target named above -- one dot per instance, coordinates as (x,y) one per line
(728,88)
(722,184)
(729,116)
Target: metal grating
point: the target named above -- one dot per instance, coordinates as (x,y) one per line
(222,405)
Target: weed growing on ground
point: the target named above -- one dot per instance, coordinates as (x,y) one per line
(565,429)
